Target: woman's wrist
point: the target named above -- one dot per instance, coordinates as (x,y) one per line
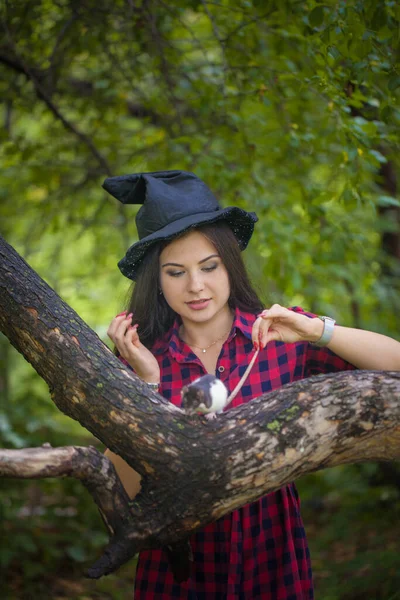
(151,378)
(316,330)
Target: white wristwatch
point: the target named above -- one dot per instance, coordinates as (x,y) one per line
(329,326)
(153,386)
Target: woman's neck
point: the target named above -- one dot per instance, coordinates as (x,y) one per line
(204,334)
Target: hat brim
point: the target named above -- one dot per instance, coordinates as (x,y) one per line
(240,221)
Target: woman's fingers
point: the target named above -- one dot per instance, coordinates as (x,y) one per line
(131,337)
(126,338)
(263,323)
(269,330)
(115,323)
(269,318)
(254,332)
(271,324)
(276,311)
(260,329)
(272,334)
(117,332)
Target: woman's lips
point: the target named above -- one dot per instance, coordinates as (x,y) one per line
(199,304)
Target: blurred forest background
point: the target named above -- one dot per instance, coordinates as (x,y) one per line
(289,108)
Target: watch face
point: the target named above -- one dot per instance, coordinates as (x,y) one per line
(153,386)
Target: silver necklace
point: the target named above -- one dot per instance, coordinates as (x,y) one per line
(207,347)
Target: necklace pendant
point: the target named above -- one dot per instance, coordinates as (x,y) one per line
(204,350)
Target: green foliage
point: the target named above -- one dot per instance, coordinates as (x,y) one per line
(54,533)
(290,109)
(354,546)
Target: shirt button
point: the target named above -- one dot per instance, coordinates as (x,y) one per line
(221,369)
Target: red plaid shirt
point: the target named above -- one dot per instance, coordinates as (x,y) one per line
(260,550)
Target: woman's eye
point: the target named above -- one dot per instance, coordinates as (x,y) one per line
(211,268)
(179,273)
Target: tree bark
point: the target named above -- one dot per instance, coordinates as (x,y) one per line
(86,464)
(193,471)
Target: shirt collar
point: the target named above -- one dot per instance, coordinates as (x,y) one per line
(243,321)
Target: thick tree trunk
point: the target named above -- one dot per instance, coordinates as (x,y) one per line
(193,472)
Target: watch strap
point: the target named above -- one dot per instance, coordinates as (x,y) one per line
(153,386)
(329,326)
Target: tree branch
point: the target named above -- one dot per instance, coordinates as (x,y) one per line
(193,472)
(32,74)
(87,464)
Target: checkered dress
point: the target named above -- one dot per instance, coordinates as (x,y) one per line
(260,550)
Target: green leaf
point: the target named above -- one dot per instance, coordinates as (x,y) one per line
(388,201)
(394,83)
(379,157)
(316,16)
(386,113)
(378,19)
(77,553)
(334,52)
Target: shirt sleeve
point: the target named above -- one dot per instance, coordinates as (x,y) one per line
(321,360)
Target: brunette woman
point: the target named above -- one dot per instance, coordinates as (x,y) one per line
(194,311)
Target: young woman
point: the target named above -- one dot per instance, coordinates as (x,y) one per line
(194,311)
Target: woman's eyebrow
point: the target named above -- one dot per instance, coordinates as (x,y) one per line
(171,264)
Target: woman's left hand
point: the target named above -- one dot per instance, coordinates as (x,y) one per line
(284,325)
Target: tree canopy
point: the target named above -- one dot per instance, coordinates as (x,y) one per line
(286,108)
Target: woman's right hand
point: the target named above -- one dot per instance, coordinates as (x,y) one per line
(126,338)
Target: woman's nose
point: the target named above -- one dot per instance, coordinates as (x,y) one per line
(196,283)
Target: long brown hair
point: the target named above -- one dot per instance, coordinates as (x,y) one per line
(149,307)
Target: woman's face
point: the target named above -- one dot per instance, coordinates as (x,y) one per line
(193,279)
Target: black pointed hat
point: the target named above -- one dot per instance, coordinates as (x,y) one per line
(172,202)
